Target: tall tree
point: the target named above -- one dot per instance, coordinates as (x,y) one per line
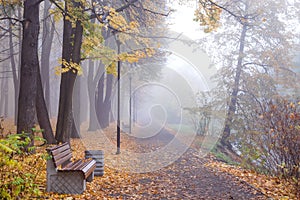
(47,40)
(42,112)
(92,84)
(71,53)
(253,39)
(15,72)
(29,68)
(103,99)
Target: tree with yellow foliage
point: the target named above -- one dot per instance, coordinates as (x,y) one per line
(83,39)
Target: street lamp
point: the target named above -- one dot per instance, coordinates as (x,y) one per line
(118,106)
(130,101)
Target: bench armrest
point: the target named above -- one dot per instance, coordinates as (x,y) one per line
(89,168)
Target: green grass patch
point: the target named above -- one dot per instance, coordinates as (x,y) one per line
(222,156)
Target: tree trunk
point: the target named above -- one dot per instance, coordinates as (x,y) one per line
(92,84)
(72,40)
(4,90)
(93,122)
(42,113)
(29,68)
(14,68)
(76,110)
(64,125)
(103,103)
(107,100)
(99,100)
(47,38)
(6,93)
(2,96)
(235,90)
(104,116)
(75,130)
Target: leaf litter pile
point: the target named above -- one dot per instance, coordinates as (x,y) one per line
(189,177)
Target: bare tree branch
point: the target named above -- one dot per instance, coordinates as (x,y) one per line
(154,12)
(130,3)
(11,18)
(241,19)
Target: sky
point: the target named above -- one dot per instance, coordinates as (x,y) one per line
(192,64)
(181,20)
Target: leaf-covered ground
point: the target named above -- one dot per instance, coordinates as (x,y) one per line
(189,177)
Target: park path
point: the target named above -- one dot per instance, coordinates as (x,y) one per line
(186,178)
(190,178)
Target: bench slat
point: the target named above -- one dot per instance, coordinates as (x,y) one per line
(62,154)
(61,148)
(79,167)
(72,165)
(62,158)
(60,151)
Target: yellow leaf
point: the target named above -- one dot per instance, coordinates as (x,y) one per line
(112,69)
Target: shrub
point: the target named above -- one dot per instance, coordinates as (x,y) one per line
(273,142)
(18,169)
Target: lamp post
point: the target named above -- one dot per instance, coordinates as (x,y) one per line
(118,102)
(130,101)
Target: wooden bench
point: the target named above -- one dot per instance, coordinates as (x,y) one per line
(65,176)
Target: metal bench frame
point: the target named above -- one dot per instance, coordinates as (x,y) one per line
(65,176)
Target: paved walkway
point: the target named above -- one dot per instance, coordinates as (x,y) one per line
(187,178)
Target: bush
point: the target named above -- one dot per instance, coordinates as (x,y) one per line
(18,169)
(273,142)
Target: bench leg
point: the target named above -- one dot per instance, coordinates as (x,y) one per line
(90,177)
(51,171)
(68,183)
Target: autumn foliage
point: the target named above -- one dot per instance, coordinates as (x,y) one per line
(274,142)
(19,170)
(208,15)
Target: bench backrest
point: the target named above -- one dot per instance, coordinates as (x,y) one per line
(61,154)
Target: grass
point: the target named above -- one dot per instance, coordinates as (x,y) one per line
(222,157)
